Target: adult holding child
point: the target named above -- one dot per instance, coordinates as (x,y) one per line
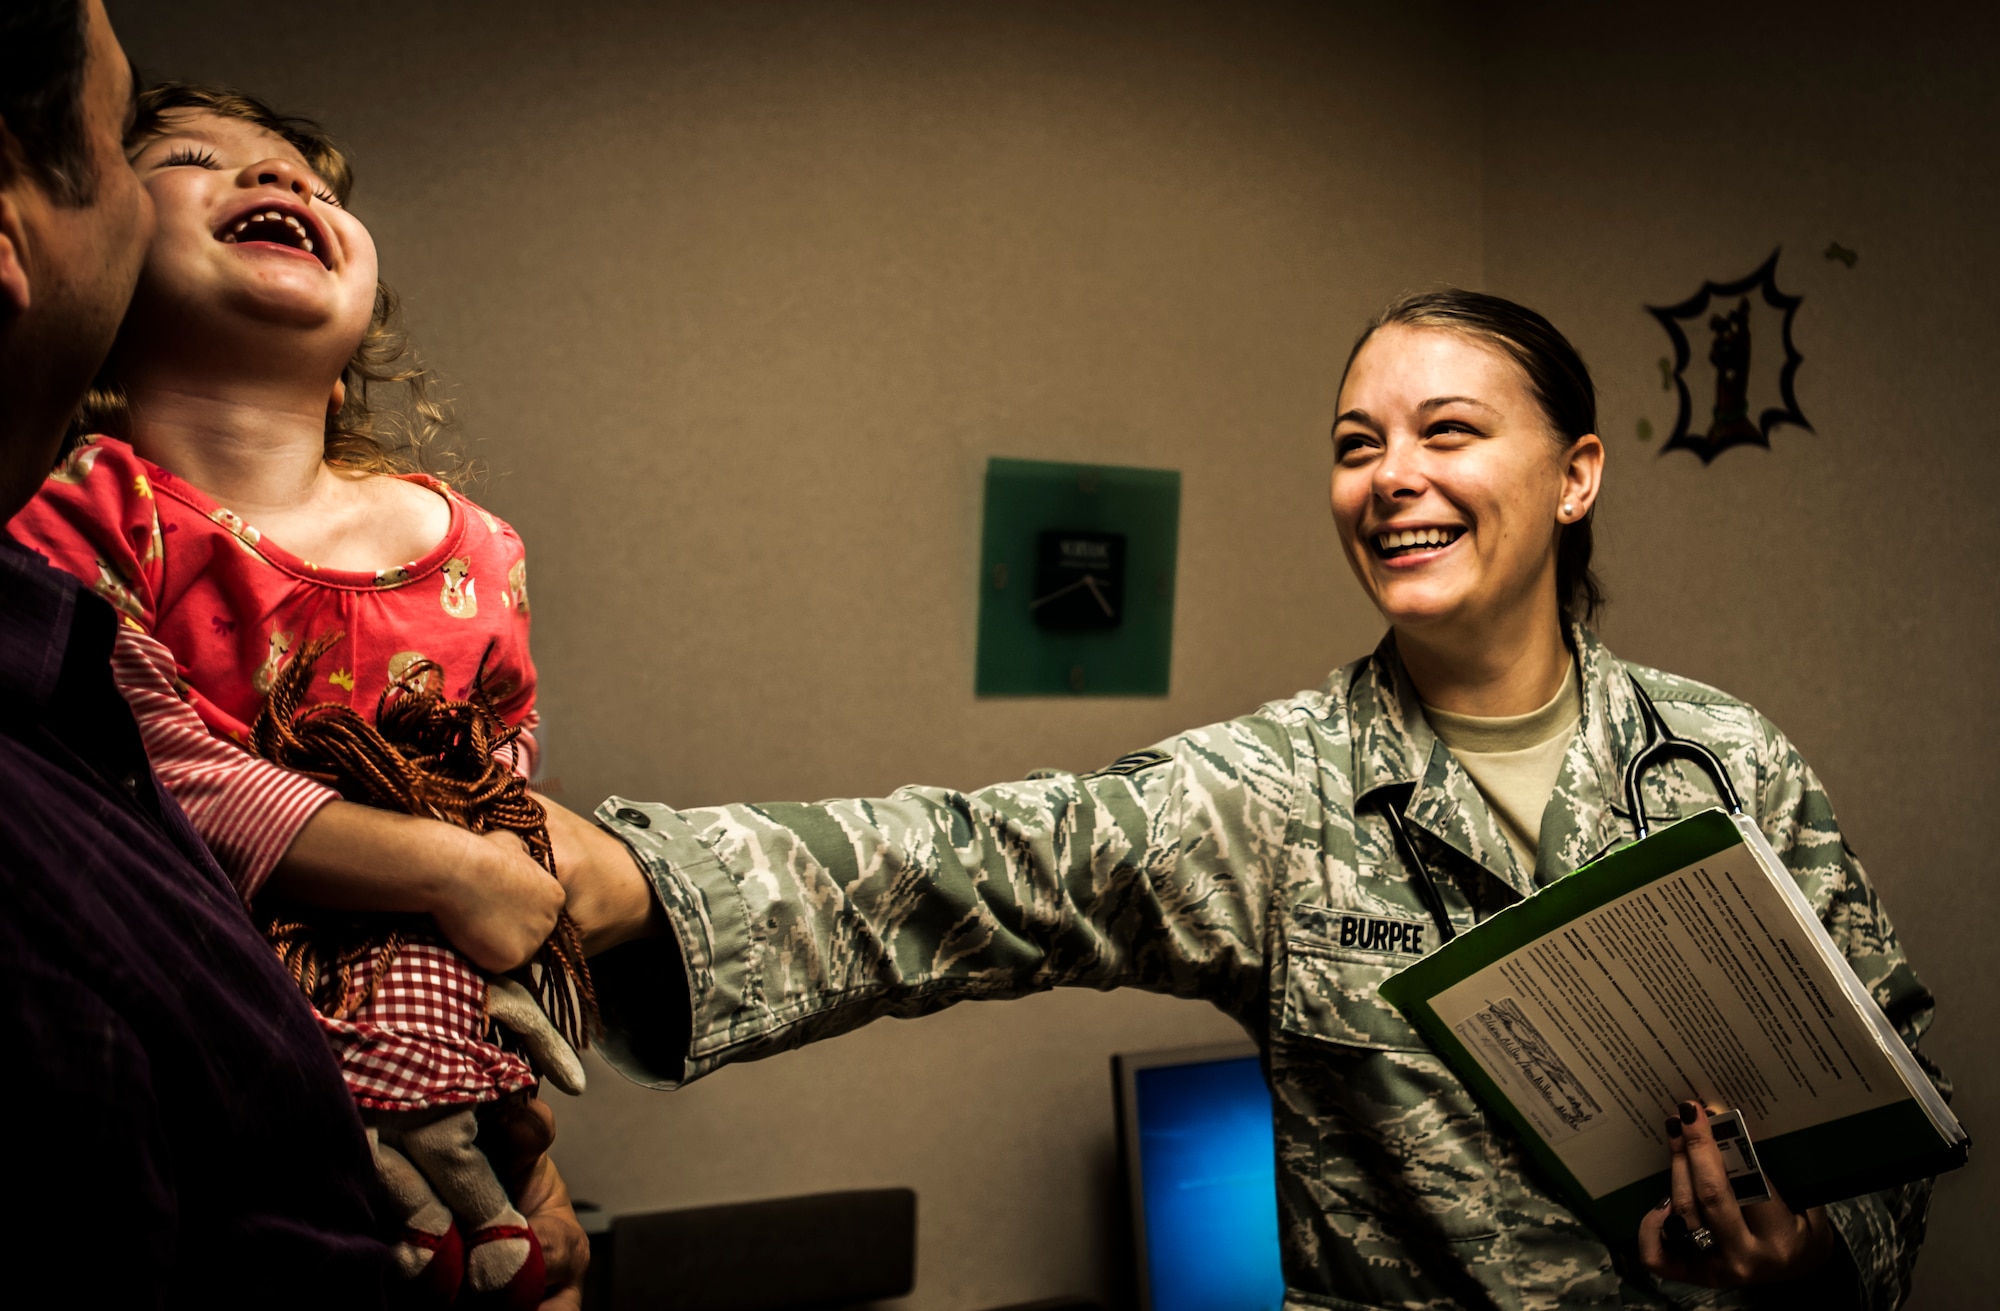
(1491,727)
(191,1139)
(157,1061)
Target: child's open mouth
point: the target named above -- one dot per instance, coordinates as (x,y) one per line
(276,227)
(1411,541)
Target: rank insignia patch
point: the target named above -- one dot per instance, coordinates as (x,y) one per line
(1128,765)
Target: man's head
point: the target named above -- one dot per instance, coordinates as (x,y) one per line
(74,222)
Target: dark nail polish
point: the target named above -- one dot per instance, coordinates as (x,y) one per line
(1688,1111)
(1673,1128)
(1663,1204)
(1674,1229)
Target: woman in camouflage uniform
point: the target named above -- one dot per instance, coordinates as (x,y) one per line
(1252,864)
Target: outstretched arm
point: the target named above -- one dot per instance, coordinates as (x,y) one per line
(795,922)
(609,895)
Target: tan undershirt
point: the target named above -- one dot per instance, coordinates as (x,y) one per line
(1515,760)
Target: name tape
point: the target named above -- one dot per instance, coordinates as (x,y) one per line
(1369,933)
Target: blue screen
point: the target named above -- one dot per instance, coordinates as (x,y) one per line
(1211,1195)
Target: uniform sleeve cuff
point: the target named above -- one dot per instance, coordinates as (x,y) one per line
(1839,1284)
(710,925)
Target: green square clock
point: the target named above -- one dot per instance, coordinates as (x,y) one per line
(1076,579)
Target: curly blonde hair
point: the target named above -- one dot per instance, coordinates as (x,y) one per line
(365,434)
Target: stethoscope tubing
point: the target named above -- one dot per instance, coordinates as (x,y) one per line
(1662,743)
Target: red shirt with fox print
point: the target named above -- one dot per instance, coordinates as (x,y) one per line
(211,611)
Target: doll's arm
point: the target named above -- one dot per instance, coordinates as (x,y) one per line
(268,825)
(511,1005)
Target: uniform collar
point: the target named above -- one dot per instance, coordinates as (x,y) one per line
(1395,748)
(1591,818)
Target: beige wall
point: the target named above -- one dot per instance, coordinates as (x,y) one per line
(1844,580)
(739,297)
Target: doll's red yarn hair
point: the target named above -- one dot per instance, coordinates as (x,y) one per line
(428,755)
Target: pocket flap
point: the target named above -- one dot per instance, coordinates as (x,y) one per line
(1330,988)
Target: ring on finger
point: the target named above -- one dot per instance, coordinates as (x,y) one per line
(1702,1239)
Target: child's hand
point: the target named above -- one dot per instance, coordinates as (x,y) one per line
(486,893)
(501,906)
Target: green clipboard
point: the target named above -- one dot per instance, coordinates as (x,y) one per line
(1687,965)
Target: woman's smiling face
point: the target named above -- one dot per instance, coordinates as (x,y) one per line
(1448,485)
(246,228)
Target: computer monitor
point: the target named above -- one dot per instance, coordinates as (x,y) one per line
(1194,1132)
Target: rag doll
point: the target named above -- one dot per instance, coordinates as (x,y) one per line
(424,1036)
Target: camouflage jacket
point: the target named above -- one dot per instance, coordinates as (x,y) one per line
(1220,865)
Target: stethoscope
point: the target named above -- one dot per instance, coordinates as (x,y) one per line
(1662,743)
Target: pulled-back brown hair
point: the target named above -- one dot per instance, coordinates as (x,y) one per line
(1561,385)
(365,434)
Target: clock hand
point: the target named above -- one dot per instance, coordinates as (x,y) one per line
(1039,601)
(1090,581)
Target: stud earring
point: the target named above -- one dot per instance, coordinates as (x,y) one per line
(1568,509)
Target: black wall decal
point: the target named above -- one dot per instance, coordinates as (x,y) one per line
(1722,322)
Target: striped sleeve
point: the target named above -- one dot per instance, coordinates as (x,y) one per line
(247,809)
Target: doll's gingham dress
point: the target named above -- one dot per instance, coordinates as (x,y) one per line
(420,1040)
